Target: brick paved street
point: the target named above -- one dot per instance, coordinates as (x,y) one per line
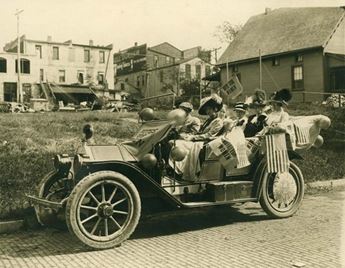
(217,237)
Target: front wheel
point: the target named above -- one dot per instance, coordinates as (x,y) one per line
(103,209)
(282,193)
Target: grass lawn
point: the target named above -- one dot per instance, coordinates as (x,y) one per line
(28,143)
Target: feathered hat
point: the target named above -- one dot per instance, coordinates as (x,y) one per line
(281,96)
(213,101)
(259,98)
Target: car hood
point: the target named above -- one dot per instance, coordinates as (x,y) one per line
(109,153)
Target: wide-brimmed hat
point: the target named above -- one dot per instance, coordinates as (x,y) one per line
(213,101)
(258,99)
(187,106)
(281,96)
(240,106)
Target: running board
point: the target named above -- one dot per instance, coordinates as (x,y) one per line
(208,203)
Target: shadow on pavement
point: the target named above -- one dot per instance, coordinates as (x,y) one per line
(57,242)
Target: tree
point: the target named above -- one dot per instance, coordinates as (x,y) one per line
(226,32)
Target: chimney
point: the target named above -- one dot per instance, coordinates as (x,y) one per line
(90,42)
(49,38)
(135,44)
(267,10)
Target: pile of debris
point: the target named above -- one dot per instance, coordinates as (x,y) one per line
(335,100)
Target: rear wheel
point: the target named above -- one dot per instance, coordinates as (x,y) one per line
(103,209)
(282,193)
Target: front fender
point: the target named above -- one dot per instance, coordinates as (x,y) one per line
(142,181)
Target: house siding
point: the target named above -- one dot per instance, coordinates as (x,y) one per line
(276,77)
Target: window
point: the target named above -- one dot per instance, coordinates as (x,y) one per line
(155,61)
(101,57)
(198,71)
(41,75)
(143,80)
(100,78)
(207,70)
(131,64)
(299,58)
(10,91)
(275,61)
(24,66)
(188,71)
(167,60)
(86,55)
(3,65)
(138,81)
(122,86)
(80,77)
(39,50)
(55,53)
(235,68)
(161,76)
(62,76)
(297,77)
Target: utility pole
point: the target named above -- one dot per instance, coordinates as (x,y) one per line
(19,89)
(215,52)
(260,69)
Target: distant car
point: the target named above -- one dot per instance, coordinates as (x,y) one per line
(102,190)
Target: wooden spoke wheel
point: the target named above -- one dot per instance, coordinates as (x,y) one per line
(103,209)
(282,193)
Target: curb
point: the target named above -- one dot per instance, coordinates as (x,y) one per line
(331,184)
(13,226)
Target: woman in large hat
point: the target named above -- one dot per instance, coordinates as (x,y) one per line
(256,121)
(278,100)
(209,106)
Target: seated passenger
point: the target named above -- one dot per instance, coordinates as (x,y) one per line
(191,124)
(241,118)
(278,116)
(256,121)
(209,106)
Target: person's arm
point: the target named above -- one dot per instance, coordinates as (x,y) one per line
(215,127)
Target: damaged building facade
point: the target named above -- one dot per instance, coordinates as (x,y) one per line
(57,71)
(145,72)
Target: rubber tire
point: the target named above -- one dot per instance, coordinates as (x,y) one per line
(48,217)
(264,201)
(79,189)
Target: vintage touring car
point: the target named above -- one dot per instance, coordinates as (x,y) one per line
(102,190)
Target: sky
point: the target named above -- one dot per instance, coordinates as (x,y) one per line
(183,23)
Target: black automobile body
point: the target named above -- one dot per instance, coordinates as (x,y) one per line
(102,190)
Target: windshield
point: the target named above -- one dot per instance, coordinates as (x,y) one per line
(149,134)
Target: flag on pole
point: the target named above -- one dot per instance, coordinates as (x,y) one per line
(276,153)
(233,87)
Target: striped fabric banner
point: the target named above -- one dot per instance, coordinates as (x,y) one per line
(276,153)
(302,135)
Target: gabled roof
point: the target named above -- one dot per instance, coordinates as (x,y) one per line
(283,30)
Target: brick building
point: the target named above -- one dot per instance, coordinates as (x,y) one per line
(151,71)
(301,48)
